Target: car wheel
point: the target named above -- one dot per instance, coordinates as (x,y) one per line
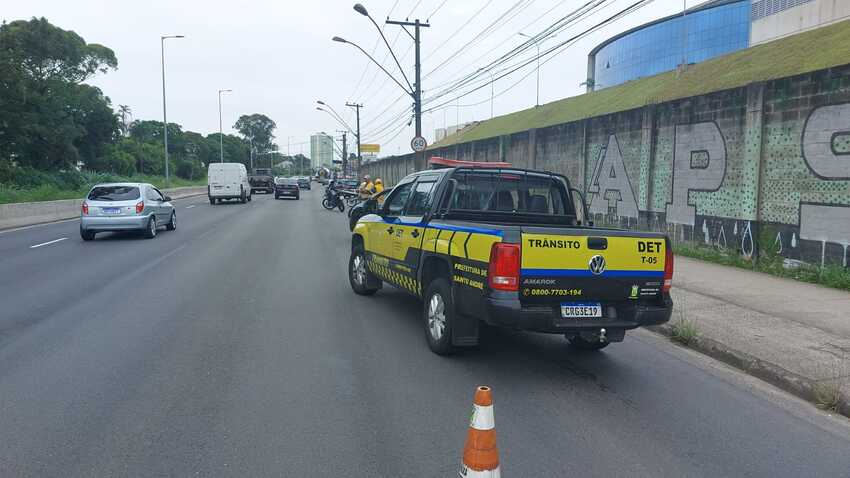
(172,224)
(297,197)
(87,235)
(438,314)
(362,281)
(150,231)
(212,200)
(242,198)
(580,343)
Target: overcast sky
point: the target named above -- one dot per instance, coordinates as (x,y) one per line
(278,57)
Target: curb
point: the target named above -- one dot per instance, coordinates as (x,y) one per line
(771,373)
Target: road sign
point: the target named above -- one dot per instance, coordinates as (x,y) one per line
(418,144)
(370,148)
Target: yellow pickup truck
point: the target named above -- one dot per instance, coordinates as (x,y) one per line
(506,246)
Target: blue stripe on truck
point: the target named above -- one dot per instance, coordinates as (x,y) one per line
(587,273)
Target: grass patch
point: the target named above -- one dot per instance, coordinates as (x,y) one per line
(49,192)
(794,55)
(827,396)
(684,331)
(830,275)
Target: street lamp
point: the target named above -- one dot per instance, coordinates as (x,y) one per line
(220,132)
(537,43)
(414,90)
(164,115)
(336,115)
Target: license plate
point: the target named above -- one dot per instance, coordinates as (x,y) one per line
(111,210)
(577,310)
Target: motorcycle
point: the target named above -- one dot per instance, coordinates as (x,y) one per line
(333,200)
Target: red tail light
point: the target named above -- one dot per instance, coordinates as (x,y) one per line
(85,209)
(504,267)
(668,269)
(140,206)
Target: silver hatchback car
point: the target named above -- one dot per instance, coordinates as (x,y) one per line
(126,207)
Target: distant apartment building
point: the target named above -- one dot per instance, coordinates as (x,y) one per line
(322,150)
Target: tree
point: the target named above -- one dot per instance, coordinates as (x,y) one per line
(259,129)
(44,111)
(47,52)
(125,113)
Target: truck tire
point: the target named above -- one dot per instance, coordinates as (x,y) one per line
(438,316)
(362,281)
(579,343)
(242,198)
(212,200)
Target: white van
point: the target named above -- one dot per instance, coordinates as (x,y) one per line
(228,181)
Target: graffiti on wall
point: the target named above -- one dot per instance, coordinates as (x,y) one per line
(699,164)
(824,144)
(610,190)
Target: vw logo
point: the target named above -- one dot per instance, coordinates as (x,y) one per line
(597,265)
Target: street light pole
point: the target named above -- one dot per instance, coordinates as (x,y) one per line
(220,131)
(415,90)
(536,44)
(164,115)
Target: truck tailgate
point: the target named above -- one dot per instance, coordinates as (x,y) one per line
(561,265)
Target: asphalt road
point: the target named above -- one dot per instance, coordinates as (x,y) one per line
(234,347)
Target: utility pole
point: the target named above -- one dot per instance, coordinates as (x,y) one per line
(344,152)
(417,85)
(357,107)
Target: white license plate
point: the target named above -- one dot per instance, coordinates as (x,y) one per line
(577,310)
(111,210)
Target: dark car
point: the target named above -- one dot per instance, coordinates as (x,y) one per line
(304,183)
(370,206)
(286,187)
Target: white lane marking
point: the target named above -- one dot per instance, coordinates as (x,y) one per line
(190,207)
(49,242)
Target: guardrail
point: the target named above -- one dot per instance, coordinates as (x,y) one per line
(30,213)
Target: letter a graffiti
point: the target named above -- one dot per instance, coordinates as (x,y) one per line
(610,189)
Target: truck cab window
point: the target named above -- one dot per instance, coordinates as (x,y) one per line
(420,202)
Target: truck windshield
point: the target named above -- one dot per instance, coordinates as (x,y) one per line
(509,192)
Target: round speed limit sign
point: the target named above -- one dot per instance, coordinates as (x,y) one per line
(418,144)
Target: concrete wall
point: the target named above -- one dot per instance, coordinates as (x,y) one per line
(769,162)
(806,16)
(29,213)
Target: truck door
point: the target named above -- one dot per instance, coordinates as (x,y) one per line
(381,233)
(407,240)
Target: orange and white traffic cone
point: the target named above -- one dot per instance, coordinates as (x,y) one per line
(480,455)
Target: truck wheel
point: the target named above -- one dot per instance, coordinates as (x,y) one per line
(212,200)
(362,281)
(579,343)
(242,198)
(438,314)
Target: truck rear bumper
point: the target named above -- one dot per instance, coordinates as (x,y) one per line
(511,313)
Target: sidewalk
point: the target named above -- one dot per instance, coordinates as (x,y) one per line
(792,334)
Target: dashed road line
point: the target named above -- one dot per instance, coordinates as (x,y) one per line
(190,207)
(48,242)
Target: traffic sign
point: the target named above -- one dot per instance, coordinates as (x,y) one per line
(370,148)
(418,144)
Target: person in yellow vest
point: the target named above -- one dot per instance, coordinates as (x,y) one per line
(367,188)
(379,185)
